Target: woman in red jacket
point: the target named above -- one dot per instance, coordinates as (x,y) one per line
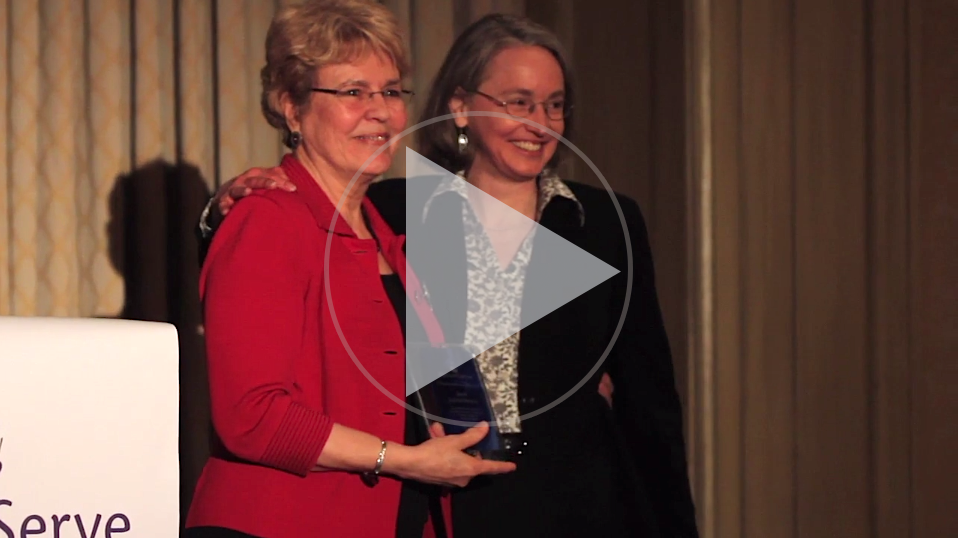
(583,471)
(305,348)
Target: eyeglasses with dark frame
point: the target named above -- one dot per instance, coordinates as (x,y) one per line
(520,107)
(361,96)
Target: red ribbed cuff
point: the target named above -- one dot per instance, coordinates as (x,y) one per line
(299,441)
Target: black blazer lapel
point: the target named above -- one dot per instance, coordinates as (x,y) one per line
(545,361)
(561,218)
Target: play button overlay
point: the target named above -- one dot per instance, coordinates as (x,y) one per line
(456,232)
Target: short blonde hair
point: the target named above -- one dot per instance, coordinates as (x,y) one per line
(309,35)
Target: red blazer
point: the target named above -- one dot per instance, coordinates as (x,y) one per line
(278,324)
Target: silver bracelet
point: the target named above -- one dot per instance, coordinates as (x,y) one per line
(372,477)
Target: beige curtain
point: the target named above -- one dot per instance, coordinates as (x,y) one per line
(96,91)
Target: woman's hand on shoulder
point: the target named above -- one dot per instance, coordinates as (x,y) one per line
(441,459)
(250,180)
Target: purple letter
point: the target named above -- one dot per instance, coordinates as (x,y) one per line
(109,525)
(3,526)
(80,526)
(57,521)
(24,531)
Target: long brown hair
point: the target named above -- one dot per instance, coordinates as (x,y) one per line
(465,68)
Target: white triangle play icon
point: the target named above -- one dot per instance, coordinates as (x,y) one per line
(570,271)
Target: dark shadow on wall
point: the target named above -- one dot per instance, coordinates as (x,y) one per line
(154,211)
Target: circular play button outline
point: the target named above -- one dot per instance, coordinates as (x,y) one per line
(628,246)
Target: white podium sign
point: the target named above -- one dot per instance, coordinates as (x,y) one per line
(89,427)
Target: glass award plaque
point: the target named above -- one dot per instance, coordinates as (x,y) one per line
(458,399)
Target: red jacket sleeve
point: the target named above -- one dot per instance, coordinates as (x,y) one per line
(253,287)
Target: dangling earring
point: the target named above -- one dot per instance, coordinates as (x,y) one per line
(295,139)
(463,140)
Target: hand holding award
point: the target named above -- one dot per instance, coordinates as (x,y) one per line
(458,399)
(442,460)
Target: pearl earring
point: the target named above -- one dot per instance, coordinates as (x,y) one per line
(463,141)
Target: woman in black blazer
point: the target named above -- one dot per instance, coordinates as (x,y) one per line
(585,469)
